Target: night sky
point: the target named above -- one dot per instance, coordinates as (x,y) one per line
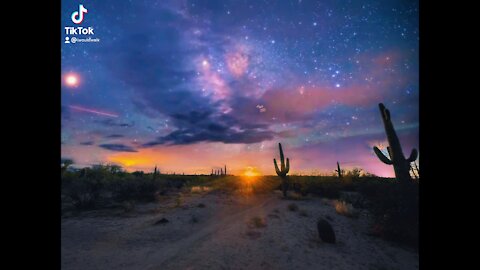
(194,85)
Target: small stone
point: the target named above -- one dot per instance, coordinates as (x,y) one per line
(325,231)
(161,221)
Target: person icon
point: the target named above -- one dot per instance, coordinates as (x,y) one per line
(67,40)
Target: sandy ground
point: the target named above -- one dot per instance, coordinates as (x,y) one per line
(221,236)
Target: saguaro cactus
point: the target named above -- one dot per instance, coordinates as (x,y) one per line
(338,170)
(225,170)
(155,172)
(282,172)
(401,165)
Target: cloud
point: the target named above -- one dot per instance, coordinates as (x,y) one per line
(197,127)
(118,147)
(114,136)
(113,123)
(166,81)
(87,143)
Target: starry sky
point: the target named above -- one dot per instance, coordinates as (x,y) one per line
(190,86)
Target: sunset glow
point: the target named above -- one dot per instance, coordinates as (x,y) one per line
(251,172)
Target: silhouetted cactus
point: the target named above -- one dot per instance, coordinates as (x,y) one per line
(225,171)
(401,165)
(338,170)
(155,172)
(282,172)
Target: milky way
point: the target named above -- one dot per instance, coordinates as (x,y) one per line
(200,84)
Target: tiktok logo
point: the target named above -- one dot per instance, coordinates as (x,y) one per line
(77,16)
(79,34)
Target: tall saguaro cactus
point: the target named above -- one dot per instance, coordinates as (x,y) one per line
(339,171)
(401,165)
(225,170)
(282,172)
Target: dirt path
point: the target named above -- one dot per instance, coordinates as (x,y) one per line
(220,236)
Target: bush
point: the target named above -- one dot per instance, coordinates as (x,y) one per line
(395,210)
(135,188)
(83,193)
(345,209)
(257,222)
(292,207)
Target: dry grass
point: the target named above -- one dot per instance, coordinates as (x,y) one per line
(345,209)
(257,222)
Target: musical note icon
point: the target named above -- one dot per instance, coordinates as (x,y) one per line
(77,16)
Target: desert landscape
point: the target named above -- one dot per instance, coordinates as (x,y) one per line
(207,228)
(113,219)
(240,135)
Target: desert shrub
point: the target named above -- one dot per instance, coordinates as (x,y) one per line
(194,219)
(227,184)
(328,187)
(354,173)
(85,189)
(178,200)
(138,173)
(147,189)
(303,213)
(130,187)
(292,207)
(257,222)
(395,209)
(83,193)
(345,209)
(100,185)
(128,206)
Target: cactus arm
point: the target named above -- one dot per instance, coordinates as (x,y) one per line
(413,155)
(288,166)
(276,167)
(381,156)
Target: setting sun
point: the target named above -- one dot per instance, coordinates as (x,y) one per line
(251,172)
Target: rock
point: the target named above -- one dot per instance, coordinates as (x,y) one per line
(325,231)
(161,221)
